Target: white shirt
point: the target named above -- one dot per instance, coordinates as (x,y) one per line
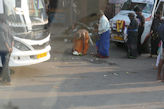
(103,25)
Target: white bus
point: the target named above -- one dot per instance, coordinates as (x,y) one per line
(27,19)
(148,9)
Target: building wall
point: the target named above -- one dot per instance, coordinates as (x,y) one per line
(70,11)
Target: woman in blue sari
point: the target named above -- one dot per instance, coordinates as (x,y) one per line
(104,37)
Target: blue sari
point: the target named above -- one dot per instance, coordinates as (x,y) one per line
(103,44)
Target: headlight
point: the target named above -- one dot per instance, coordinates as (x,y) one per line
(20,46)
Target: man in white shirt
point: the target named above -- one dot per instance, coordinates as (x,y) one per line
(104,36)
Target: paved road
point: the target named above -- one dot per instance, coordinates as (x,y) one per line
(85,82)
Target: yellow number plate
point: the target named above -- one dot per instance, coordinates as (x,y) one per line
(41,55)
(118,38)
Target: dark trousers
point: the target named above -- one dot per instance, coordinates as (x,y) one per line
(132,44)
(139,45)
(5,57)
(51,17)
(154,43)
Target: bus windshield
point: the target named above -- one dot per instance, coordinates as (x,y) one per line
(146,8)
(20,10)
(37,11)
(25,15)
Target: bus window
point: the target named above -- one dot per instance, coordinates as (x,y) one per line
(37,10)
(160,8)
(131,5)
(146,7)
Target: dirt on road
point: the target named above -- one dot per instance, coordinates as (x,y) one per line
(85,82)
